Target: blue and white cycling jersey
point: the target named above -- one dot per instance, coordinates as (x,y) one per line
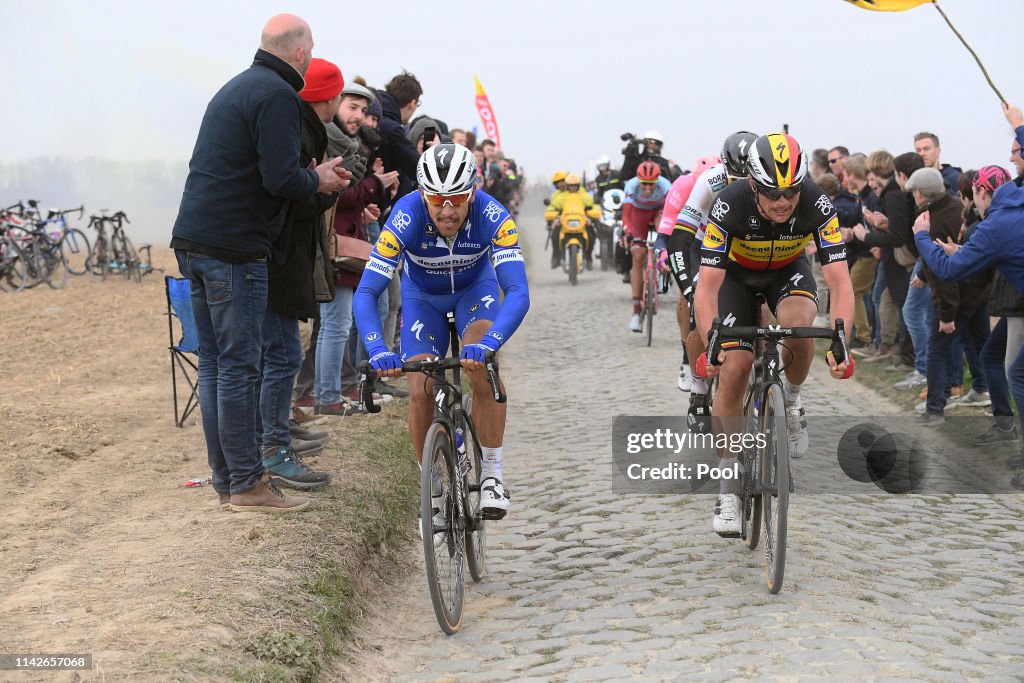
(487,245)
(655,201)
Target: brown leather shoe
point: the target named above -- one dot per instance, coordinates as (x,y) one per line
(302,417)
(266,497)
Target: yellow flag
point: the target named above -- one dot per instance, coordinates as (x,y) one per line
(889,5)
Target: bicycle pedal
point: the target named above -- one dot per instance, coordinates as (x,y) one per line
(493,514)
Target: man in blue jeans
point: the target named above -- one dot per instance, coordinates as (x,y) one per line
(244,172)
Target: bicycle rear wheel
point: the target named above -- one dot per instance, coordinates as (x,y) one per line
(774,475)
(476,533)
(53,266)
(650,301)
(444,543)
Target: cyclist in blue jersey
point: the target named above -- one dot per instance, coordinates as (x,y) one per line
(458,246)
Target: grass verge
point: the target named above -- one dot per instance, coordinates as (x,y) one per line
(310,576)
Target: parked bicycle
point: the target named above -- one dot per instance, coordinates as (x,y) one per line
(116,253)
(73,241)
(454,534)
(767,479)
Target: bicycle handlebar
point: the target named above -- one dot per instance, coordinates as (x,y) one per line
(428,365)
(777,333)
(17,205)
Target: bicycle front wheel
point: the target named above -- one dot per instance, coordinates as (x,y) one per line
(76,250)
(774,476)
(650,302)
(444,541)
(476,534)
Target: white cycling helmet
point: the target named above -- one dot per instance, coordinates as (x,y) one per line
(603,160)
(654,135)
(446,169)
(612,199)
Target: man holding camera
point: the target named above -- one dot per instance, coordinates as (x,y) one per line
(634,156)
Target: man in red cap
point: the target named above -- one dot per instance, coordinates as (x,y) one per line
(296,284)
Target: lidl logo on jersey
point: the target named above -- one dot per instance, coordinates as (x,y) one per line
(829,233)
(387,244)
(507,235)
(714,238)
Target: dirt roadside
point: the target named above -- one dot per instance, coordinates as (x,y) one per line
(106,552)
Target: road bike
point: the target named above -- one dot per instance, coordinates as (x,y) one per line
(767,479)
(649,293)
(73,241)
(452,522)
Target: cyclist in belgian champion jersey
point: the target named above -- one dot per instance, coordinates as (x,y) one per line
(458,245)
(753,248)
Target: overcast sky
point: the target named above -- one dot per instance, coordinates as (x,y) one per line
(131,79)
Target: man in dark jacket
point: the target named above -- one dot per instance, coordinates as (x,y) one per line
(399,101)
(244,173)
(930,194)
(293,292)
(633,156)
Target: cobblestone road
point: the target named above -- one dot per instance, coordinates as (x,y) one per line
(586,584)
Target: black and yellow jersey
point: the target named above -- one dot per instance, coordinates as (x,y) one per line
(739,236)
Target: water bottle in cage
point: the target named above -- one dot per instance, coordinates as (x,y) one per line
(460,444)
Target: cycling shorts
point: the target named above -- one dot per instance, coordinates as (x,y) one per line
(425,316)
(739,299)
(636,221)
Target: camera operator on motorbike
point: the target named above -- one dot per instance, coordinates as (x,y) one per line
(645,197)
(753,248)
(572,187)
(634,156)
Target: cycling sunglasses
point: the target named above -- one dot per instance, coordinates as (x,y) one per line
(776,193)
(437,199)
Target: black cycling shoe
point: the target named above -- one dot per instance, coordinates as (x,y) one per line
(698,415)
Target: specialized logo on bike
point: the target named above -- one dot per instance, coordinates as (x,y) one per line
(388,245)
(714,238)
(492,211)
(719,210)
(401,220)
(507,235)
(829,233)
(824,204)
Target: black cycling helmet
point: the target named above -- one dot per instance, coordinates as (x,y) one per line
(734,152)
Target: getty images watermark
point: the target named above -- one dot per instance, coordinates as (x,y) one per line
(846,455)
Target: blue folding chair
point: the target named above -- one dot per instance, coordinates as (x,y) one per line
(179,305)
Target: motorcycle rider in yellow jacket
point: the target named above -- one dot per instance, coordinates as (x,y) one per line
(572,187)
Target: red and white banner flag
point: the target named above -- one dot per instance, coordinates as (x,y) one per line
(483,107)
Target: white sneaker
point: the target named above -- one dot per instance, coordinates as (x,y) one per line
(920,407)
(727,516)
(971,399)
(685,378)
(797,428)
(634,323)
(494,498)
(914,379)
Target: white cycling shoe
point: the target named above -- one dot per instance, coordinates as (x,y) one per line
(494,498)
(727,515)
(437,504)
(685,380)
(634,323)
(797,428)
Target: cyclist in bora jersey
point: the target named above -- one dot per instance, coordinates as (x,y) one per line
(645,196)
(754,247)
(458,246)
